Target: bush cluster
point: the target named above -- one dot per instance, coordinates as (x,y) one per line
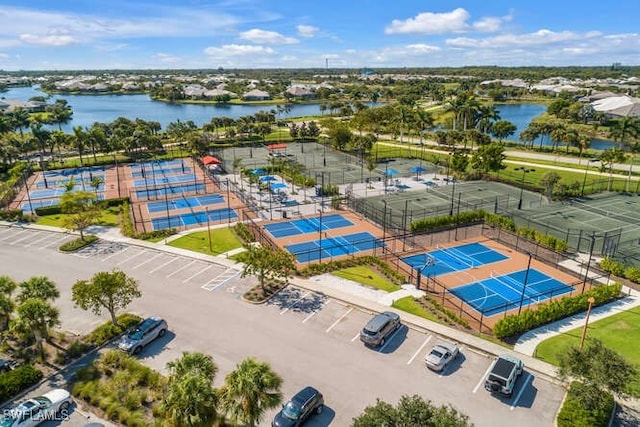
(514,324)
(242,231)
(126,226)
(619,269)
(48,210)
(13,215)
(108,330)
(574,414)
(546,240)
(445,314)
(462,218)
(78,243)
(15,381)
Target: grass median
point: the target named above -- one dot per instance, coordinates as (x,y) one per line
(222,240)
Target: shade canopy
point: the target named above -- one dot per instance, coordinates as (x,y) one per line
(417,169)
(258,172)
(268,178)
(278,186)
(210,160)
(391,172)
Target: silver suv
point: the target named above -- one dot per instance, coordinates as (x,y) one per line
(147,331)
(503,375)
(379,328)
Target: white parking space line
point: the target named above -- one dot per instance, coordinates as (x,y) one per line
(149,260)
(481,382)
(10,235)
(163,265)
(5,230)
(35,242)
(29,235)
(114,254)
(295,302)
(419,350)
(132,257)
(519,395)
(181,268)
(198,273)
(55,242)
(313,313)
(338,321)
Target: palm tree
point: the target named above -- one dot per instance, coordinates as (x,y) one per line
(20,119)
(40,287)
(80,138)
(250,390)
(35,317)
(622,129)
(7,286)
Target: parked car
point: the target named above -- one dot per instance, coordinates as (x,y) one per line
(379,328)
(503,375)
(53,405)
(441,355)
(141,335)
(302,405)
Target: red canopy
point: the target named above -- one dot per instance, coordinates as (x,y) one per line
(277,147)
(210,160)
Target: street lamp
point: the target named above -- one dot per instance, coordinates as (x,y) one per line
(320,233)
(384,220)
(586,169)
(591,300)
(453,194)
(524,172)
(524,285)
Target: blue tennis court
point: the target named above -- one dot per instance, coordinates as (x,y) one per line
(193,218)
(307,225)
(74,172)
(185,202)
(162,180)
(334,246)
(168,190)
(167,171)
(501,293)
(458,258)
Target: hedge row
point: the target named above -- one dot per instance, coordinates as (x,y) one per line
(429,224)
(108,330)
(546,240)
(17,380)
(13,215)
(574,414)
(242,231)
(78,243)
(514,324)
(126,226)
(619,269)
(56,209)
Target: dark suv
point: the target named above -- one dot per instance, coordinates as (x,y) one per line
(297,410)
(379,328)
(147,331)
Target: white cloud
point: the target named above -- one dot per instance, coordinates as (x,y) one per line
(538,38)
(431,23)
(49,40)
(234,50)
(166,58)
(307,30)
(4,56)
(267,37)
(488,25)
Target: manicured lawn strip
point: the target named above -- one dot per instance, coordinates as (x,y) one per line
(222,240)
(410,305)
(367,276)
(109,218)
(620,332)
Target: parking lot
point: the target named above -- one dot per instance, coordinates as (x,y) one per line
(308,338)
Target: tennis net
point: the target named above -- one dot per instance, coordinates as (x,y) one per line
(460,257)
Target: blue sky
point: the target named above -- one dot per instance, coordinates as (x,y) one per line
(162,34)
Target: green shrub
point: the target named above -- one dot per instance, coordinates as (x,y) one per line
(13,215)
(13,382)
(48,210)
(514,324)
(614,267)
(632,273)
(243,233)
(108,330)
(126,226)
(463,218)
(574,414)
(78,243)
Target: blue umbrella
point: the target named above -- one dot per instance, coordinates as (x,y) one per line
(278,185)
(391,172)
(417,169)
(258,172)
(268,178)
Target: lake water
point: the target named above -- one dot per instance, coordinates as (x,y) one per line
(88,109)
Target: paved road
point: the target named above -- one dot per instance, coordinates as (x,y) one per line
(308,338)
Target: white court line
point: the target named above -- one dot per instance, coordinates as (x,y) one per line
(39,240)
(294,303)
(519,395)
(181,268)
(132,257)
(419,350)
(163,265)
(149,260)
(338,321)
(313,313)
(114,254)
(482,380)
(198,273)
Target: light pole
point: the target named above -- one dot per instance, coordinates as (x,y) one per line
(453,194)
(591,245)
(524,285)
(384,222)
(206,212)
(591,300)
(320,233)
(524,172)
(228,203)
(586,169)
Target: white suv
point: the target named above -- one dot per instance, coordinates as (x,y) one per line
(503,375)
(143,334)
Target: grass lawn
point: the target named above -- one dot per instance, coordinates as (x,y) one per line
(367,276)
(410,305)
(222,240)
(109,218)
(620,332)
